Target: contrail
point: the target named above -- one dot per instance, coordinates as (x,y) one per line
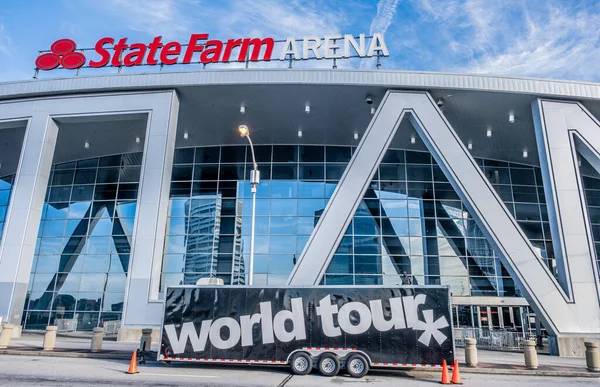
(385,14)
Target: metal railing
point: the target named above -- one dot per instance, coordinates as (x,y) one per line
(66,324)
(490,339)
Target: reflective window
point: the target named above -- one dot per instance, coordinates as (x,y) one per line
(411,226)
(6,185)
(82,256)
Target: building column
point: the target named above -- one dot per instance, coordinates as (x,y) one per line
(24,214)
(142,307)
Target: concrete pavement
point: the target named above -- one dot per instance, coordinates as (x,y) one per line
(490,362)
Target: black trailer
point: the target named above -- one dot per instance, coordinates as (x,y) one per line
(332,328)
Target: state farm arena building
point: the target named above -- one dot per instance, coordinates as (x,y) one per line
(115,186)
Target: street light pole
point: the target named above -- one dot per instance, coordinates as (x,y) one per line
(254,180)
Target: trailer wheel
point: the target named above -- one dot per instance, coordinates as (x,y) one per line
(329,364)
(301,363)
(357,365)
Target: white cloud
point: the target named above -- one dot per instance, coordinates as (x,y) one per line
(5,41)
(172,18)
(519,38)
(381,22)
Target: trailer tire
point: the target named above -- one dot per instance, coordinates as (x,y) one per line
(301,363)
(357,365)
(329,364)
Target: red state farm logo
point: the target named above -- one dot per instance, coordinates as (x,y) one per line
(63,54)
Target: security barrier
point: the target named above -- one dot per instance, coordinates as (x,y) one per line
(489,339)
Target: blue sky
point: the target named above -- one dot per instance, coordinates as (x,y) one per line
(531,38)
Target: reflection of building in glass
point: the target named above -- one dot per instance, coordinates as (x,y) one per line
(238,275)
(207,228)
(202,233)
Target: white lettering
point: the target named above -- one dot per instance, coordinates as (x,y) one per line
(296,316)
(364,315)
(311,43)
(411,308)
(332,46)
(233,334)
(377,44)
(397,313)
(360,49)
(188,330)
(289,48)
(379,321)
(326,310)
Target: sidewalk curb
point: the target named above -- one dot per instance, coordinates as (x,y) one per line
(90,355)
(464,369)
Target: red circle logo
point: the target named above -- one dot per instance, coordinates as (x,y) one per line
(72,60)
(63,54)
(63,46)
(47,61)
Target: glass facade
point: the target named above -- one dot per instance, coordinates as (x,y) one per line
(411,227)
(591,186)
(6,185)
(80,265)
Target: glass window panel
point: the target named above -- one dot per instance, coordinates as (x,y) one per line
(284,207)
(284,171)
(312,153)
(92,282)
(98,245)
(308,189)
(285,153)
(232,172)
(392,172)
(82,193)
(394,187)
(59,194)
(105,192)
(418,173)
(182,173)
(284,189)
(525,194)
(497,175)
(527,211)
(51,246)
(206,172)
(418,157)
(393,156)
(263,169)
(262,153)
(339,280)
(337,154)
(95,263)
(54,228)
(132,158)
(110,161)
(283,225)
(204,188)
(306,225)
(207,155)
(283,245)
(85,176)
(233,154)
(533,230)
(47,264)
(88,163)
(522,176)
(62,177)
(107,175)
(70,165)
(181,189)
(129,174)
(113,302)
(183,156)
(438,175)
(312,172)
(310,207)
(281,263)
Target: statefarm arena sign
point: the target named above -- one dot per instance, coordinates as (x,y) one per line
(63,52)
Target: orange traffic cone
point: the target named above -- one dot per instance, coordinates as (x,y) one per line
(455,374)
(133,364)
(445,376)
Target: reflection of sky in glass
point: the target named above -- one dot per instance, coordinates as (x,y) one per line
(84,243)
(5,191)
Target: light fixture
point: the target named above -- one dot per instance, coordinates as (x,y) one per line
(489,131)
(470,145)
(372,110)
(299,132)
(137,140)
(307,108)
(242,109)
(86,145)
(185,135)
(355,136)
(579,162)
(525,153)
(243,130)
(413,139)
(511,117)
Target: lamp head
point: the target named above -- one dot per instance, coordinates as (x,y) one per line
(243,129)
